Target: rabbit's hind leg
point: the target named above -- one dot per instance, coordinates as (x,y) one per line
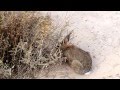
(77,66)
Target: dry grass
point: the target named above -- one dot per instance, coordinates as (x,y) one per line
(28,43)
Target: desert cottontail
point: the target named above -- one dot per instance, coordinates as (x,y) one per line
(79,60)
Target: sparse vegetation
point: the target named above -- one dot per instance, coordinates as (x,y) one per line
(28,43)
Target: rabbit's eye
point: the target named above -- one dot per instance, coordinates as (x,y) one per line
(58,46)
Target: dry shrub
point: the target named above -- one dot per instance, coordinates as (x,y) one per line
(28,43)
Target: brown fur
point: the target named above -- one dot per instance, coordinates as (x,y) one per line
(78,59)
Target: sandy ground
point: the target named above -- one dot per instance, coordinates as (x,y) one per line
(97,32)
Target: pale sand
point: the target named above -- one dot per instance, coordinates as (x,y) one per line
(97,33)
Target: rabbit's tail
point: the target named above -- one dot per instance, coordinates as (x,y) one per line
(88,71)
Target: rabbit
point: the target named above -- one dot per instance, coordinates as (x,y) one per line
(79,60)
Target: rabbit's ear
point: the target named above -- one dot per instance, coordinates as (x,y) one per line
(67,38)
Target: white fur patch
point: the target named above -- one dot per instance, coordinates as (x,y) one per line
(88,73)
